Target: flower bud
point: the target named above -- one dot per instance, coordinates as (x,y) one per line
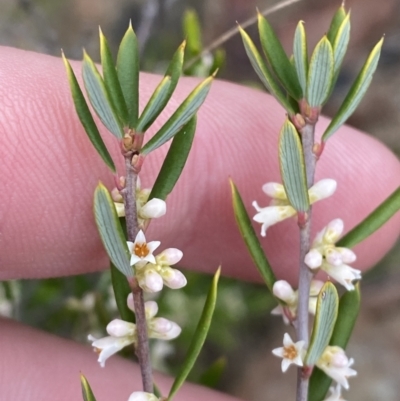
(120,328)
(283,290)
(142,396)
(169,256)
(322,189)
(313,259)
(173,278)
(153,209)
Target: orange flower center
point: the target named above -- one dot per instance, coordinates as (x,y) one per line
(290,352)
(141,250)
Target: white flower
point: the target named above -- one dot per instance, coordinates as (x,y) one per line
(153,276)
(292,353)
(332,259)
(142,396)
(122,334)
(142,251)
(283,291)
(280,208)
(336,365)
(336,394)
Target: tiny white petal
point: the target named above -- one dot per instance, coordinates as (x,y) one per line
(271,215)
(343,274)
(120,328)
(333,231)
(322,189)
(336,394)
(164,329)
(173,278)
(153,209)
(283,290)
(152,281)
(348,256)
(151,308)
(129,302)
(140,238)
(108,346)
(313,259)
(142,396)
(315,288)
(120,208)
(169,256)
(274,190)
(333,256)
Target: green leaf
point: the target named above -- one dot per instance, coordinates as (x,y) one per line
(181,116)
(300,55)
(111,80)
(128,74)
(278,59)
(99,98)
(320,73)
(211,377)
(356,92)
(163,92)
(293,170)
(192,32)
(324,323)
(388,208)
(264,74)
(250,238)
(349,307)
(340,43)
(337,20)
(121,291)
(174,162)
(198,338)
(87,393)
(110,230)
(86,118)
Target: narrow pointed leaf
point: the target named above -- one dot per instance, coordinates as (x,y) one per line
(324,322)
(181,116)
(356,92)
(349,307)
(174,162)
(292,167)
(111,80)
(278,59)
(87,392)
(337,20)
(128,74)
(388,208)
(192,32)
(110,230)
(85,117)
(163,92)
(198,338)
(250,238)
(211,377)
(300,55)
(121,291)
(264,74)
(156,390)
(320,73)
(99,98)
(340,43)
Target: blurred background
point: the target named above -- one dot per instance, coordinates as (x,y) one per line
(237,358)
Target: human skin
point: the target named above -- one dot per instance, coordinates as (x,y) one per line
(49,171)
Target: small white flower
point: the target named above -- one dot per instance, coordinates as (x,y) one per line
(292,353)
(280,208)
(332,259)
(142,251)
(336,365)
(142,396)
(335,394)
(163,329)
(152,209)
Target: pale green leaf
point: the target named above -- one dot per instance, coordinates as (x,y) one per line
(341,42)
(293,171)
(163,92)
(300,55)
(181,116)
(87,392)
(111,80)
(99,97)
(198,338)
(356,92)
(86,118)
(320,73)
(388,208)
(250,238)
(128,74)
(336,22)
(278,59)
(192,32)
(174,162)
(264,74)
(324,323)
(110,230)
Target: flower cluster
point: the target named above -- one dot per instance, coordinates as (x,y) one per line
(280,208)
(122,333)
(153,272)
(284,292)
(333,260)
(146,209)
(333,361)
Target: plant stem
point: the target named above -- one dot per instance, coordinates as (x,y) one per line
(305,275)
(142,346)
